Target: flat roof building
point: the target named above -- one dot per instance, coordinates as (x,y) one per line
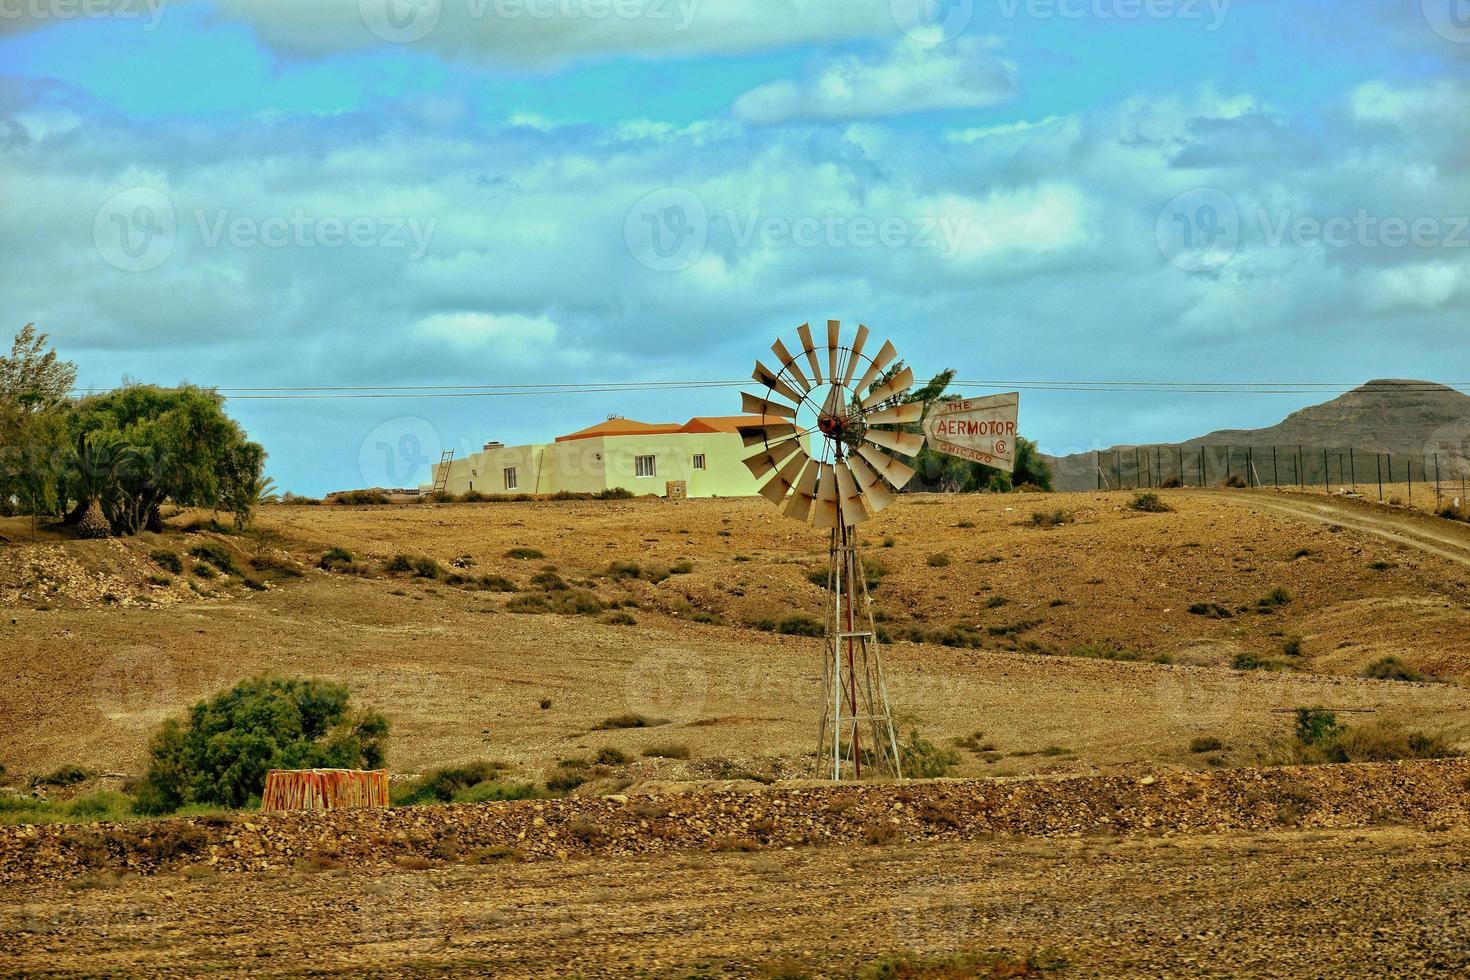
(706,454)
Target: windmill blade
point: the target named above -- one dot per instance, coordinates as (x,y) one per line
(805,331)
(827,514)
(767,435)
(857,352)
(773,381)
(834,347)
(896,415)
(906,443)
(785,479)
(902,381)
(875,493)
(767,460)
(849,496)
(896,473)
(764,407)
(805,492)
(885,357)
(788,363)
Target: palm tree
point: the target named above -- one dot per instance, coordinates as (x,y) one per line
(93,472)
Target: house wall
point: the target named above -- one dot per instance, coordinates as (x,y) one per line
(595,464)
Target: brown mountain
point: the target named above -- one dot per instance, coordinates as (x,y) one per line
(1408,419)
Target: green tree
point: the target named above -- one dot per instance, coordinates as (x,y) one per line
(33,440)
(221,753)
(185,449)
(33,377)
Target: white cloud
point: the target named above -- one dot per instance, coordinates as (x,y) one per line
(910,77)
(1417,286)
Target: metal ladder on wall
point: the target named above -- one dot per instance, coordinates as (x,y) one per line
(441,475)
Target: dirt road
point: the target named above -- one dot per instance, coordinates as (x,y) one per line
(1410,528)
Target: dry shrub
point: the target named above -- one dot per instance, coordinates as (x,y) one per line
(882,832)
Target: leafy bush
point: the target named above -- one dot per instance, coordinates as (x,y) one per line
(1393,669)
(217,556)
(67,775)
(1236,482)
(614,493)
(922,759)
(1292,646)
(496,583)
(426,568)
(167,560)
(938,561)
(361,498)
(398,564)
(1205,743)
(800,625)
(630,720)
(667,750)
(1211,610)
(873,572)
(493,791)
(221,752)
(1149,503)
(442,785)
(1049,518)
(1276,597)
(1320,738)
(1245,660)
(524,554)
(1316,725)
(619,618)
(335,558)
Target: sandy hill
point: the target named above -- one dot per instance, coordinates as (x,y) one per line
(1403,417)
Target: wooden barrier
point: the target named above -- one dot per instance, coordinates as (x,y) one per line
(324,789)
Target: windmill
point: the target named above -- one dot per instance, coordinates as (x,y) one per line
(840,393)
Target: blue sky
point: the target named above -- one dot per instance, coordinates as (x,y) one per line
(465,192)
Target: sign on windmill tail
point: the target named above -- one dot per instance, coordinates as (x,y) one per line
(981,430)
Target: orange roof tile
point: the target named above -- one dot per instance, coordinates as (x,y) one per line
(632,427)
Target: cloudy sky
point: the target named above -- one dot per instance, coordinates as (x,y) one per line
(487,192)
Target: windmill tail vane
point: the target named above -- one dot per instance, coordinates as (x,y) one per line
(825,450)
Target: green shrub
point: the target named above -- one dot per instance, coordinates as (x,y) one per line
(67,775)
(1149,503)
(1205,743)
(1109,650)
(524,554)
(996,601)
(103,806)
(630,720)
(443,785)
(160,580)
(426,568)
(667,750)
(492,791)
(624,569)
(682,567)
(496,583)
(610,756)
(1211,610)
(1276,597)
(1393,669)
(361,498)
(938,561)
(1380,566)
(564,779)
(215,555)
(922,759)
(619,618)
(335,559)
(1315,726)
(1049,518)
(800,625)
(1321,739)
(1246,660)
(1292,646)
(398,564)
(222,750)
(614,493)
(167,560)
(873,572)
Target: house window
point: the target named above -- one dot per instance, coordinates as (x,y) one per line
(510,478)
(699,461)
(643,466)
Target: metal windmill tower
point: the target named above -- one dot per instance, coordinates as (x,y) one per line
(847,479)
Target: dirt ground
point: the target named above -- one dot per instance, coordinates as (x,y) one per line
(100,644)
(460,677)
(1382,902)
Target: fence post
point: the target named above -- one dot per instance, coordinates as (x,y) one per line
(1378,458)
(1250,466)
(1436,481)
(1353,467)
(1326,472)
(1409,471)
(1275,468)
(1301,479)
(1182,482)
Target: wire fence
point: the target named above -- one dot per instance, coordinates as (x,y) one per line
(1285,467)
